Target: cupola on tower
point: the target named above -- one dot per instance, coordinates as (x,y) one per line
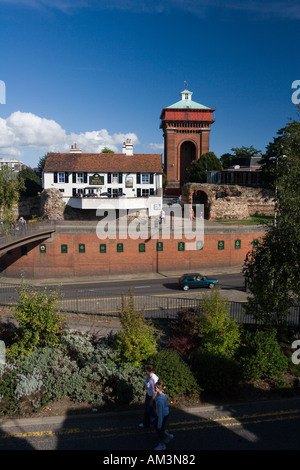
(186,127)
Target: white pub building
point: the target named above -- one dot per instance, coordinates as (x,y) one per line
(107,180)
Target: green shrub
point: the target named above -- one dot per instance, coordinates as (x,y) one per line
(175,373)
(138,338)
(219,334)
(185,323)
(261,355)
(39,323)
(214,372)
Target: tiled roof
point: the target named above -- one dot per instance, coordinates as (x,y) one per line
(104,162)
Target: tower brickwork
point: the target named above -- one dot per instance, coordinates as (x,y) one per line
(186,129)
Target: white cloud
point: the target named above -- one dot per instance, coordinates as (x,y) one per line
(156,146)
(26,130)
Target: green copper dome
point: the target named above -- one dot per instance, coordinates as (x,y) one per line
(186,102)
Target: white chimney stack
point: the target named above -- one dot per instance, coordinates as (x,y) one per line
(74,149)
(127,148)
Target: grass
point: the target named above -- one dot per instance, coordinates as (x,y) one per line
(253,220)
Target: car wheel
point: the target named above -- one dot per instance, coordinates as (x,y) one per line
(185,287)
(211,286)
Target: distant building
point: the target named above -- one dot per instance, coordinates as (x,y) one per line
(13,164)
(244,171)
(106,180)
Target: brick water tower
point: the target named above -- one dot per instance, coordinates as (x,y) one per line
(186,127)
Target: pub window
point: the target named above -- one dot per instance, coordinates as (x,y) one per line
(145,192)
(115,178)
(145,178)
(61,177)
(80,178)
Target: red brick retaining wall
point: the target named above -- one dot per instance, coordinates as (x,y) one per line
(90,261)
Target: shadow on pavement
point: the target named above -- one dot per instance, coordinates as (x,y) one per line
(261,425)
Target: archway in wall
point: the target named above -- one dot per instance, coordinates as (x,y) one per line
(200,197)
(187,155)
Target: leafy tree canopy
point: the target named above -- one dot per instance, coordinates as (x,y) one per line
(272,271)
(32,182)
(245,151)
(10,186)
(197,169)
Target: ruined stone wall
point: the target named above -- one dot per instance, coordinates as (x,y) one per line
(230,201)
(52,204)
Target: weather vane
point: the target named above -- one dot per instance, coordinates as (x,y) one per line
(185,82)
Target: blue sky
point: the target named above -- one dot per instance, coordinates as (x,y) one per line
(96,72)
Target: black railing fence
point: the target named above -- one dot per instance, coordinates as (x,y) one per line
(80,301)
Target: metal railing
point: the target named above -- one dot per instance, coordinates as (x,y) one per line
(15,232)
(76,301)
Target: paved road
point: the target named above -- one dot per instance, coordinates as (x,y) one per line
(228,283)
(270,425)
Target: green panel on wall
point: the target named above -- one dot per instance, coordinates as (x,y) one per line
(237,244)
(159,246)
(142,247)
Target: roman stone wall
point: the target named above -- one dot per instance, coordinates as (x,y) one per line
(230,201)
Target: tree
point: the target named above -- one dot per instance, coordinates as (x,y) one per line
(10,187)
(272,270)
(40,324)
(32,182)
(287,137)
(198,168)
(245,151)
(137,340)
(225,159)
(107,150)
(41,164)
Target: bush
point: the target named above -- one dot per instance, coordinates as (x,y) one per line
(219,334)
(138,338)
(182,344)
(262,357)
(83,369)
(175,373)
(39,323)
(214,372)
(184,323)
